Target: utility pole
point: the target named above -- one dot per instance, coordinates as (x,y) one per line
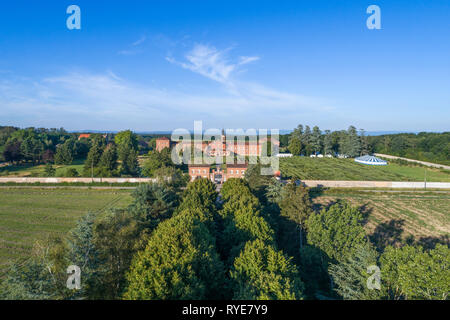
(425,182)
(92,170)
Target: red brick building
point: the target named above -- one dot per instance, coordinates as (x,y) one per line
(199,171)
(219,147)
(236,171)
(218,175)
(162,143)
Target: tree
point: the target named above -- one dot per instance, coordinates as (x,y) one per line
(65,152)
(295,146)
(108,161)
(127,138)
(352,143)
(155,161)
(234,188)
(116,238)
(48,156)
(297,133)
(275,191)
(129,160)
(295,208)
(263,273)
(32,149)
(41,277)
(12,152)
(30,281)
(364,143)
(93,159)
(71,173)
(201,194)
(306,141)
(412,273)
(337,231)
(49,171)
(127,149)
(328,143)
(177,264)
(82,252)
(152,203)
(172,176)
(350,275)
(316,143)
(256,181)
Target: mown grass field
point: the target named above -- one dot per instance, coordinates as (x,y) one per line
(29,170)
(27,215)
(395,215)
(347,169)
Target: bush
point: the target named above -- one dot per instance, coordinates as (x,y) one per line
(71,173)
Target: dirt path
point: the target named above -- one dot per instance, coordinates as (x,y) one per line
(429,164)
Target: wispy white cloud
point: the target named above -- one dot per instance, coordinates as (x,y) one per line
(212,63)
(134,47)
(139,41)
(245,60)
(83,100)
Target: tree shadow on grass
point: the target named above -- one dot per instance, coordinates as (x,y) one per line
(431,242)
(365,211)
(388,234)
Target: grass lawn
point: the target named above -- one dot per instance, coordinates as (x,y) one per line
(392,216)
(29,170)
(27,215)
(347,169)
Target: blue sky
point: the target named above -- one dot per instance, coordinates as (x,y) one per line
(160,65)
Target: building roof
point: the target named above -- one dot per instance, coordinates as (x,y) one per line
(198,165)
(84,135)
(236,165)
(371,160)
(162,138)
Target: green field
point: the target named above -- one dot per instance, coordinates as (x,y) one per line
(347,169)
(395,215)
(27,215)
(29,170)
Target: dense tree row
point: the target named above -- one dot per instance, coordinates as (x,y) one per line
(40,146)
(103,155)
(425,146)
(305,141)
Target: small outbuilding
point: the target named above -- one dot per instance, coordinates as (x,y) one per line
(371,160)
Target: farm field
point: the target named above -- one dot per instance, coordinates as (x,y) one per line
(392,216)
(346,169)
(27,215)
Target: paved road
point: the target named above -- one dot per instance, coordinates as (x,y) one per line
(429,164)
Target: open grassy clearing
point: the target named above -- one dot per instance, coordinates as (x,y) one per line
(29,170)
(393,216)
(27,215)
(346,169)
